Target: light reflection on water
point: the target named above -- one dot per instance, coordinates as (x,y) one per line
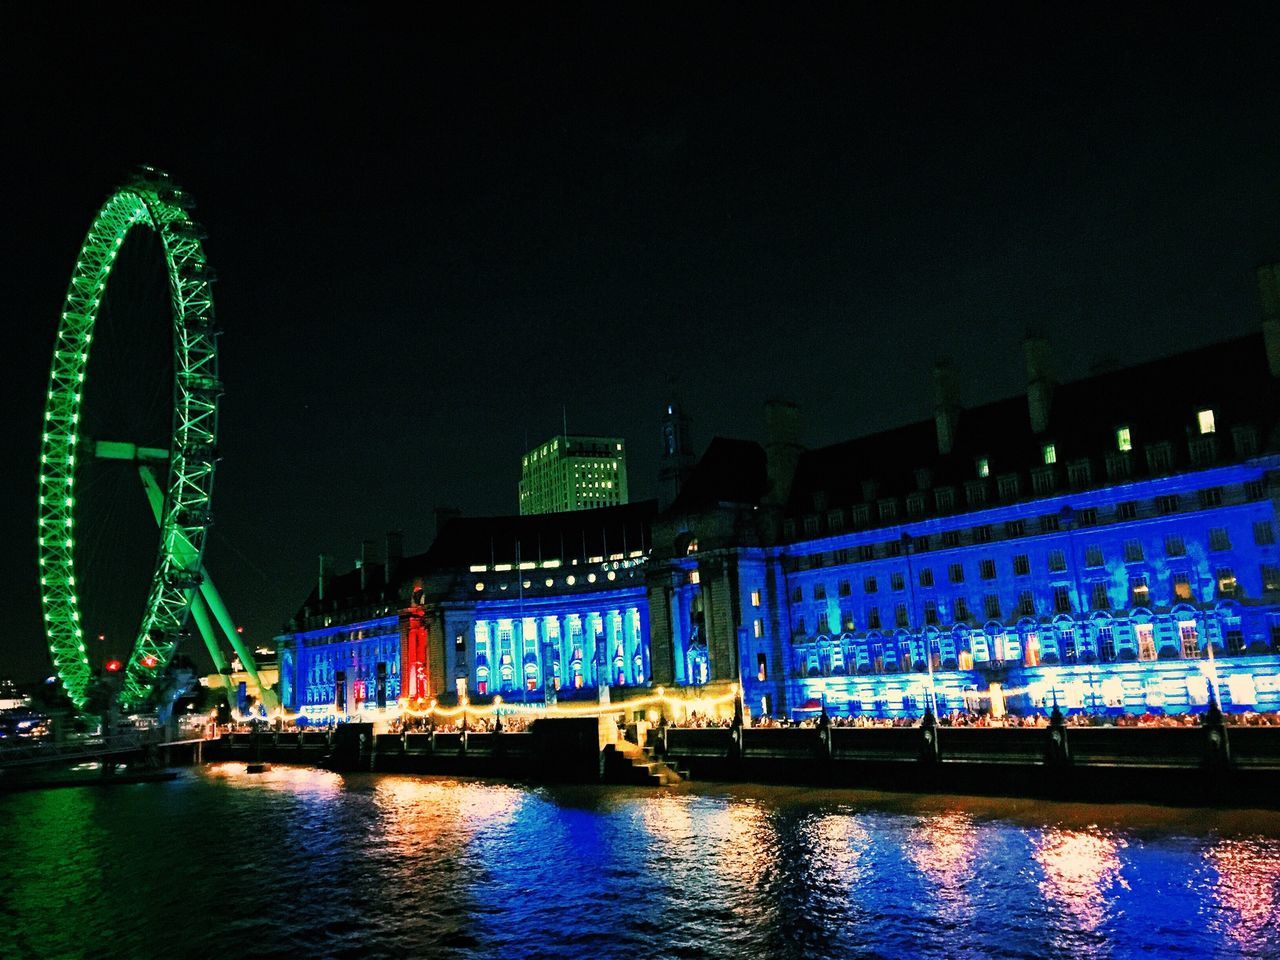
(302,863)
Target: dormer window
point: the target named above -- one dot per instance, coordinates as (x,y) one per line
(984,467)
(1050,454)
(1124,440)
(1204,420)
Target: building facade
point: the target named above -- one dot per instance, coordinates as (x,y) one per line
(573,473)
(1106,545)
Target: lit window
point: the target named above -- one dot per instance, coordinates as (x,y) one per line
(984,467)
(757,627)
(1124,440)
(755,598)
(1050,454)
(1205,420)
(693,577)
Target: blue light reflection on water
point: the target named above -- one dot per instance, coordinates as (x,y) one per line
(302,863)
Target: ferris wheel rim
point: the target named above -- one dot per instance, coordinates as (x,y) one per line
(149,200)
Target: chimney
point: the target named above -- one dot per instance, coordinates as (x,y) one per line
(395,552)
(782,447)
(946,404)
(1040,381)
(367,559)
(1269,294)
(325,578)
(443,515)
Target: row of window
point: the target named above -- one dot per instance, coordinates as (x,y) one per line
(1009,489)
(1056,562)
(1061,598)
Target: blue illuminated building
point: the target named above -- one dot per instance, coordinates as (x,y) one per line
(1105,545)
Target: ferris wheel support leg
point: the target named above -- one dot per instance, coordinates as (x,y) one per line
(209,593)
(200,614)
(210,597)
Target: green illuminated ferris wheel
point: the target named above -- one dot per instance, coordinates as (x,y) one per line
(178,481)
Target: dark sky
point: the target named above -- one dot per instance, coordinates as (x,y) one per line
(430,235)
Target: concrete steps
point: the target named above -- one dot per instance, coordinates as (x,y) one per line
(626,763)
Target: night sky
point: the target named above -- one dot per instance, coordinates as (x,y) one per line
(432,235)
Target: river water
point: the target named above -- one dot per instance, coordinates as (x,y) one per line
(301,863)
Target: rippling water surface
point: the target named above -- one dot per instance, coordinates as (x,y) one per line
(301,863)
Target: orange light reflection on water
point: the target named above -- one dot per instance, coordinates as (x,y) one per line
(1080,867)
(944,849)
(1248,888)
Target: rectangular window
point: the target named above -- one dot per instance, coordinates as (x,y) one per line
(843,589)
(1210,497)
(1026,604)
(1061,599)
(931,611)
(1093,555)
(955,573)
(1126,510)
(1106,644)
(823,624)
(1079,473)
(873,618)
(1050,453)
(757,628)
(1168,503)
(987,569)
(1218,539)
(1044,480)
(897,581)
(1124,439)
(1008,487)
(1174,547)
(1145,635)
(893,548)
(869,585)
(819,591)
(762,667)
(861,515)
(867,552)
(1246,440)
(1049,523)
(1182,585)
(945,498)
(991,606)
(1270,578)
(1255,489)
(1100,596)
(835,521)
(1159,457)
(811,526)
(755,598)
(841,556)
(962,608)
(915,505)
(1264,534)
(1088,517)
(951,538)
(846,619)
(1021,565)
(800,631)
(1204,420)
(797,594)
(926,577)
(888,510)
(983,466)
(1015,528)
(1141,591)
(1190,638)
(921,543)
(1057,561)
(900,614)
(975,492)
(1226,581)
(982,534)
(1133,551)
(1067,644)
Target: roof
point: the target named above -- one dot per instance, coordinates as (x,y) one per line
(1157,400)
(731,471)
